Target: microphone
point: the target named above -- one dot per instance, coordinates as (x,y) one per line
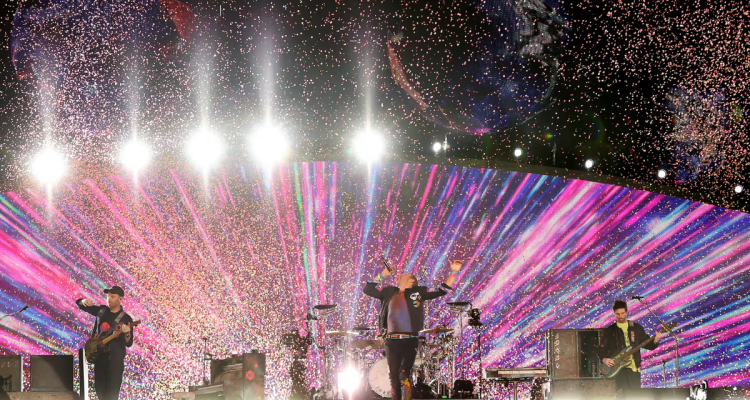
(26,307)
(637,298)
(388,267)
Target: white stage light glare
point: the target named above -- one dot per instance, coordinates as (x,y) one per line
(661,174)
(268,144)
(205,149)
(135,155)
(589,163)
(436,147)
(349,380)
(369,146)
(739,189)
(49,166)
(518,152)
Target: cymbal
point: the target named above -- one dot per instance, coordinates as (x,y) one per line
(341,333)
(438,329)
(367,343)
(324,306)
(362,328)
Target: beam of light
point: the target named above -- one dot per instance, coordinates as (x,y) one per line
(661,174)
(436,147)
(518,152)
(589,164)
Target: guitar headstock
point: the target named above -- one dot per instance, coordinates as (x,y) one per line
(670,326)
(134,323)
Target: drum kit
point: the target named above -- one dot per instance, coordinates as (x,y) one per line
(362,349)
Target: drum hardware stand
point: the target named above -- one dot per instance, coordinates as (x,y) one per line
(324,311)
(206,358)
(460,308)
(474,320)
(677,342)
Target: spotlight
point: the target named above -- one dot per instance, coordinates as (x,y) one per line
(205,149)
(349,380)
(589,163)
(135,155)
(268,144)
(369,146)
(436,147)
(661,174)
(738,189)
(518,152)
(49,166)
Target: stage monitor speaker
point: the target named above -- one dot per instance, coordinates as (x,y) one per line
(571,353)
(11,374)
(254,374)
(52,373)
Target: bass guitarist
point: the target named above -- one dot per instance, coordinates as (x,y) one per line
(617,337)
(110,366)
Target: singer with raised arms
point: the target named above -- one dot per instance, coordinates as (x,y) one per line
(402,317)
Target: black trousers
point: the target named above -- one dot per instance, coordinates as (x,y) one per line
(400,354)
(108,376)
(627,380)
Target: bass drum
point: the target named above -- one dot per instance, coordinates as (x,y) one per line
(378,377)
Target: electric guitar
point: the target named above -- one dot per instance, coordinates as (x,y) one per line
(95,345)
(623,358)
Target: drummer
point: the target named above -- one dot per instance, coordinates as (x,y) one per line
(402,317)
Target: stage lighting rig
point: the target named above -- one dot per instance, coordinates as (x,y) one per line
(49,166)
(205,149)
(268,144)
(135,155)
(369,145)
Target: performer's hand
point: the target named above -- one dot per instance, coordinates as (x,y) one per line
(658,336)
(125,328)
(87,303)
(610,362)
(456,265)
(386,273)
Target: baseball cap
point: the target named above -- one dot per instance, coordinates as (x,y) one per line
(115,290)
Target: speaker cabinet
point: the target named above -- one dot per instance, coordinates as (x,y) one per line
(52,373)
(254,375)
(571,353)
(11,374)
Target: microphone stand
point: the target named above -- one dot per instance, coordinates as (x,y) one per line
(677,342)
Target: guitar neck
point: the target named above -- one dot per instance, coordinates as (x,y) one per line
(111,337)
(636,348)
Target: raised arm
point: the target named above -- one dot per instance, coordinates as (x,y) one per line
(88,306)
(448,284)
(371,288)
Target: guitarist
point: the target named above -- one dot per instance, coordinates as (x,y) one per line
(618,336)
(109,368)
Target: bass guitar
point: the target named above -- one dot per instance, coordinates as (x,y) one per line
(623,358)
(95,345)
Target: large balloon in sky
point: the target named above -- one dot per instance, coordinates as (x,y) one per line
(81,52)
(477,66)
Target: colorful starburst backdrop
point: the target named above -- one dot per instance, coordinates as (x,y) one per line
(243,258)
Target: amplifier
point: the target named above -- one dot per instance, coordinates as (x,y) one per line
(11,374)
(52,373)
(571,353)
